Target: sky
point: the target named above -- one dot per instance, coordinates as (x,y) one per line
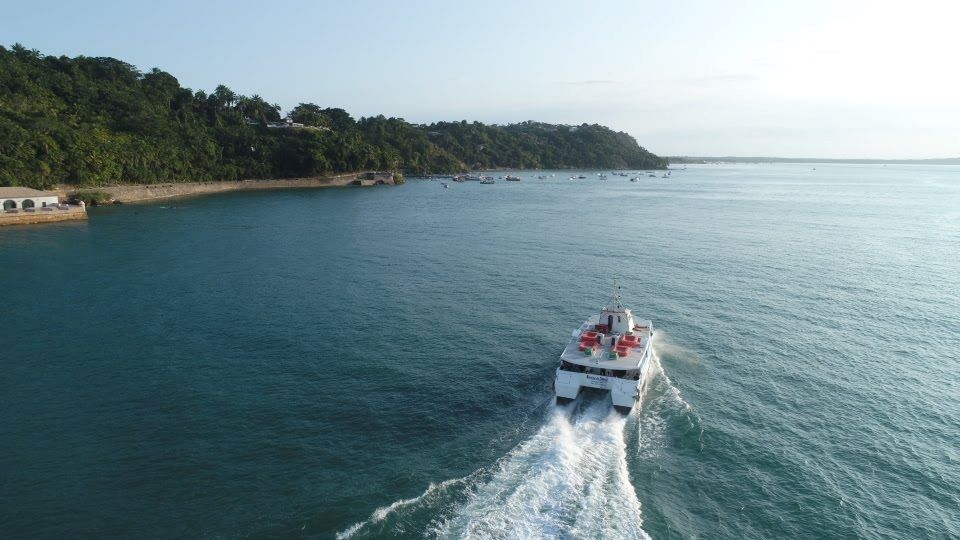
(831,79)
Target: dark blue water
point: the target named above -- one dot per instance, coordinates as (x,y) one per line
(377,362)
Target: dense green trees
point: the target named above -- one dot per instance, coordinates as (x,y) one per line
(99,121)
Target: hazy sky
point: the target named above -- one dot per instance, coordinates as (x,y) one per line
(785,78)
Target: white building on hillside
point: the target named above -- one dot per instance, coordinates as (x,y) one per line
(14,198)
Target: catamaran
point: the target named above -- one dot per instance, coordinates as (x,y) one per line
(610,351)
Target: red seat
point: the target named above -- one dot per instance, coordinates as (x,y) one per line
(623,350)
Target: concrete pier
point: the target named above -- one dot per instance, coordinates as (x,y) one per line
(42,215)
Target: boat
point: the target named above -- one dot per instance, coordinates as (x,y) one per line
(610,351)
(512,178)
(444,184)
(582,177)
(488,180)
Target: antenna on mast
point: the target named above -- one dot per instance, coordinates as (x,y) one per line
(616,294)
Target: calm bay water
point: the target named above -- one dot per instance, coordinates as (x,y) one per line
(377,362)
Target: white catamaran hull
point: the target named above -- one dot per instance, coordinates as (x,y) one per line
(623,392)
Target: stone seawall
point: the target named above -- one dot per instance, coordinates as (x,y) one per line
(42,216)
(148,192)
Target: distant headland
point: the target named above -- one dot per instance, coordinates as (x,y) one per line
(94,122)
(733,159)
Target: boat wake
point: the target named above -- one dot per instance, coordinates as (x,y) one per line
(664,409)
(435,495)
(569,479)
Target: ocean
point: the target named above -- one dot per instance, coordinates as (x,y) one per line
(378,362)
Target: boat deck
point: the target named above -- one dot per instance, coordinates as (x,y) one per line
(597,352)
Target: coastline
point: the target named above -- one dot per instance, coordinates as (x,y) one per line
(42,215)
(130,193)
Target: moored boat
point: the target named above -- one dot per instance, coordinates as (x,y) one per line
(610,351)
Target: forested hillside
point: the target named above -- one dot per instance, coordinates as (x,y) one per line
(99,121)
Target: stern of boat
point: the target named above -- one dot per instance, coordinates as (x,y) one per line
(624,393)
(567,385)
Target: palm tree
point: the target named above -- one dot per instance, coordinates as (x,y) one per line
(225,97)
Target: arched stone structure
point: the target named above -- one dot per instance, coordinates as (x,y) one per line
(9,205)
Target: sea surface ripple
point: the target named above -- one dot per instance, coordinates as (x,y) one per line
(377,362)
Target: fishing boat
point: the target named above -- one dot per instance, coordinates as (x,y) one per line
(512,178)
(488,180)
(610,351)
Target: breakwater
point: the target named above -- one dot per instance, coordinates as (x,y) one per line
(147,192)
(42,215)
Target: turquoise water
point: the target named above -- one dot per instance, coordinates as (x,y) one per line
(377,362)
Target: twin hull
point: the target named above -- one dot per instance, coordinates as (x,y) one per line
(623,392)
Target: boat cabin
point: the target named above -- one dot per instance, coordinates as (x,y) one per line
(617,320)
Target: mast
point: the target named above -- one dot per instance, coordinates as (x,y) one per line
(616,301)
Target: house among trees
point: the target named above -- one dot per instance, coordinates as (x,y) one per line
(285,123)
(15,198)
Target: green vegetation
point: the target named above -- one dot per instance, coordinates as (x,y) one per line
(99,121)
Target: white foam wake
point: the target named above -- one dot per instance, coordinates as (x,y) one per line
(663,402)
(569,479)
(382,513)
